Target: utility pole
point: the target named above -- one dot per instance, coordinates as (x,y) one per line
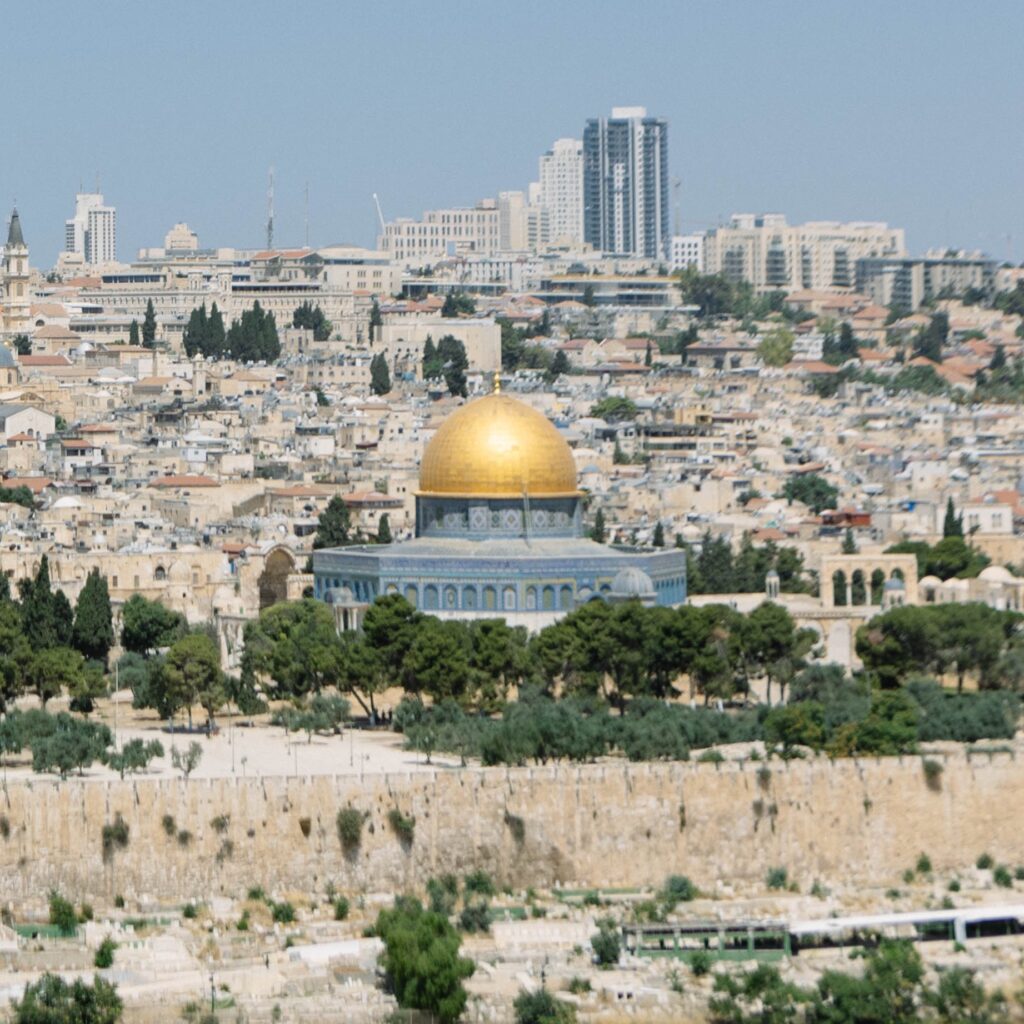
(270,211)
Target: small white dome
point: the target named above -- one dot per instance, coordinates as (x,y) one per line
(632,582)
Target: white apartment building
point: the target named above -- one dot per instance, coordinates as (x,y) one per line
(687,251)
(560,191)
(454,232)
(92,232)
(820,255)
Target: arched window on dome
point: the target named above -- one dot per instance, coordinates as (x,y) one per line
(508,599)
(531,599)
(412,596)
(565,601)
(469,598)
(160,574)
(430,597)
(451,597)
(490,599)
(548,597)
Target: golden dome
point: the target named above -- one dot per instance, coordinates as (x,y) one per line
(499,448)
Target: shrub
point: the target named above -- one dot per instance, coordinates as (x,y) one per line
(479,883)
(86,913)
(541,1007)
(475,917)
(256,894)
(924,864)
(442,893)
(184,837)
(119,902)
(403,827)
(1018,872)
(908,877)
(682,817)
(226,851)
(5,826)
(421,961)
(220,823)
(1002,877)
(764,776)
(711,756)
(606,943)
(62,914)
(954,885)
(243,922)
(578,985)
(932,773)
(115,837)
(105,953)
(700,962)
(350,829)
(777,878)
(282,913)
(517,827)
(985,861)
(305,826)
(169,825)
(677,889)
(341,909)
(190,911)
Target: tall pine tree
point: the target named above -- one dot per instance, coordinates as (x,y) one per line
(133,333)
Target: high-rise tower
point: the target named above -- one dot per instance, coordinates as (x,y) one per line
(626,182)
(92,232)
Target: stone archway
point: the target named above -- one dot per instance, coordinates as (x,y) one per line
(273,581)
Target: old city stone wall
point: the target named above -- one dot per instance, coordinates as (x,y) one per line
(614,824)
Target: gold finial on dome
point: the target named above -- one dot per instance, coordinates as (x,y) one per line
(497,382)
(498,447)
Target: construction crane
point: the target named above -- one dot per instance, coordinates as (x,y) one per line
(380,215)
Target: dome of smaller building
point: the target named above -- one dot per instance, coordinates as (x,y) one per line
(894,584)
(632,582)
(7,361)
(929,581)
(996,574)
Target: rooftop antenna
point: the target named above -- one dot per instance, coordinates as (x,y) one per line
(380,215)
(676,185)
(307,214)
(270,211)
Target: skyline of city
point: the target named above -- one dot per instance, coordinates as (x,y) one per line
(459,127)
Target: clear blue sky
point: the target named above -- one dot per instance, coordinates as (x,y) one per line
(908,111)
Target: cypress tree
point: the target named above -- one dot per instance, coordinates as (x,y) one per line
(452,355)
(380,377)
(149,326)
(431,364)
(384,530)
(93,630)
(37,609)
(214,334)
(599,533)
(659,535)
(952,524)
(133,333)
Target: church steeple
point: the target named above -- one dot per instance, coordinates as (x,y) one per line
(16,281)
(14,234)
